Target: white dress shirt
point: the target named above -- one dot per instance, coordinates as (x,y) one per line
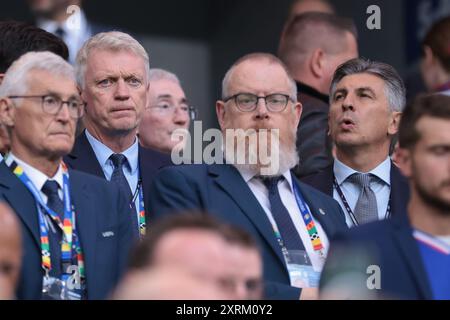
(381,187)
(285,188)
(76,31)
(37,177)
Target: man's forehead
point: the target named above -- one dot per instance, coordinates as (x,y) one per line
(434,128)
(101,60)
(360,80)
(42,80)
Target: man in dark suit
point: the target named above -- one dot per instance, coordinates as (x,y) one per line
(367,99)
(75,228)
(408,256)
(112,70)
(287,218)
(312,46)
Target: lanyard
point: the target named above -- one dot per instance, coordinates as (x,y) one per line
(310,227)
(70,239)
(140,192)
(347,206)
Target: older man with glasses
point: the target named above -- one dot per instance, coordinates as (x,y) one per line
(167,111)
(74,245)
(290,221)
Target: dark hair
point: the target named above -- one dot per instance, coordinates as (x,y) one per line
(142,255)
(438,39)
(18,38)
(434,105)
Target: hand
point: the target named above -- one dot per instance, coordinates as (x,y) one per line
(309,294)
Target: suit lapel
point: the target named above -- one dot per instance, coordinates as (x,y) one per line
(86,223)
(402,233)
(322,218)
(230,180)
(82,157)
(21,200)
(399,191)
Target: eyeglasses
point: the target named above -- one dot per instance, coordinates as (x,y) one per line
(52,104)
(247,102)
(167,109)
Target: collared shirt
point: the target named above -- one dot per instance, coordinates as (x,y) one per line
(286,190)
(1,157)
(381,187)
(39,178)
(76,31)
(131,170)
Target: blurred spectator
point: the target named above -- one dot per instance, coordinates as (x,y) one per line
(435,63)
(17,38)
(222,256)
(367,99)
(312,47)
(10,252)
(67,20)
(408,256)
(168,110)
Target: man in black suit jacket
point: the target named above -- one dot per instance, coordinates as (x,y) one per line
(312,46)
(262,197)
(76,230)
(367,99)
(408,256)
(112,70)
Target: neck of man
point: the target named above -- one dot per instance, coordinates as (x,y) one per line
(117,142)
(47,164)
(426,218)
(362,159)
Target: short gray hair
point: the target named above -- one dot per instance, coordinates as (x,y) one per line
(112,41)
(259,56)
(395,89)
(161,74)
(16,77)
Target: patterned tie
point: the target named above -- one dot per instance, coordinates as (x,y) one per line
(366,207)
(118,178)
(289,234)
(54,202)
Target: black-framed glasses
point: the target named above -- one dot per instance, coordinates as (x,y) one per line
(52,104)
(247,102)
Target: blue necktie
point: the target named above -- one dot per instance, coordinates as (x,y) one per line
(289,234)
(54,202)
(118,178)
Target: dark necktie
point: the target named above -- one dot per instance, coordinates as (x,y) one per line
(60,32)
(119,179)
(366,209)
(54,202)
(286,227)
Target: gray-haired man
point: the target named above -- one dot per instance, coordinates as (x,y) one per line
(366,102)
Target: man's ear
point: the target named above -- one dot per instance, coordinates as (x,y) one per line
(428,56)
(317,63)
(394,123)
(7,112)
(2,76)
(403,161)
(220,112)
(298,108)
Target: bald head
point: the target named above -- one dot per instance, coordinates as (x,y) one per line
(10,251)
(303,6)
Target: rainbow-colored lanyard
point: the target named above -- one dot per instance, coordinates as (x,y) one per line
(309,222)
(139,192)
(70,240)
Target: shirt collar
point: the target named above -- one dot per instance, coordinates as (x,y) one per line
(51,26)
(102,152)
(247,175)
(37,177)
(382,171)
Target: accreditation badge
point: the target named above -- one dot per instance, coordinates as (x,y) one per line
(301,271)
